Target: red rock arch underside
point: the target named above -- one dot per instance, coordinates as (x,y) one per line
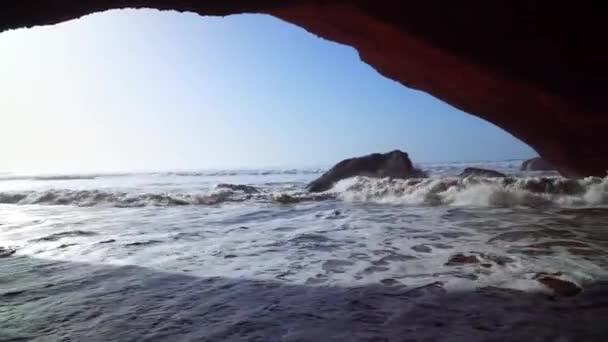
(535,68)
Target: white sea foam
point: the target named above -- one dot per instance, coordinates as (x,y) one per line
(88,198)
(474,191)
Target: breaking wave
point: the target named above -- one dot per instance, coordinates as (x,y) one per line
(88,198)
(474,191)
(470,191)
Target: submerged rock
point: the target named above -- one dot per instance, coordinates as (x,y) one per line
(474,171)
(395,164)
(421,248)
(561,287)
(500,260)
(248,189)
(537,164)
(461,259)
(6,252)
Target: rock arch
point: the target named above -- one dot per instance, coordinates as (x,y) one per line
(538,69)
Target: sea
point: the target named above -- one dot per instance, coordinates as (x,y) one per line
(250,255)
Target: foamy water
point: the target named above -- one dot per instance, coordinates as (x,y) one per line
(197,256)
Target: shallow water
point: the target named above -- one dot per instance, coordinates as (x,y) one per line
(172,256)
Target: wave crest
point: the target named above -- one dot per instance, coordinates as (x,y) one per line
(470,191)
(474,191)
(88,198)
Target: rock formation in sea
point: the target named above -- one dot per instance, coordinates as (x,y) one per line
(534,68)
(395,164)
(536,164)
(474,171)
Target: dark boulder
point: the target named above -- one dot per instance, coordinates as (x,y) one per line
(473,171)
(537,164)
(395,164)
(461,259)
(561,287)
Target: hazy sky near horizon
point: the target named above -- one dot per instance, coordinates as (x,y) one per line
(150,90)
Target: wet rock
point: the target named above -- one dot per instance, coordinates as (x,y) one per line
(441,246)
(466,276)
(287,199)
(550,244)
(561,287)
(500,260)
(422,248)
(248,189)
(336,265)
(455,235)
(499,292)
(6,252)
(375,269)
(538,186)
(486,265)
(536,164)
(508,181)
(461,259)
(545,274)
(569,187)
(318,279)
(143,243)
(13,293)
(61,235)
(390,282)
(395,164)
(477,172)
(554,186)
(360,256)
(430,237)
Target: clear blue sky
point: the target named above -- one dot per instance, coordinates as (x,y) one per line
(145,90)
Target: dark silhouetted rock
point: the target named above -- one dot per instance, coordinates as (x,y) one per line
(473,171)
(395,164)
(537,164)
(561,287)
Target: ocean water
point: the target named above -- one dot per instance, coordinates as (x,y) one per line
(249,255)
